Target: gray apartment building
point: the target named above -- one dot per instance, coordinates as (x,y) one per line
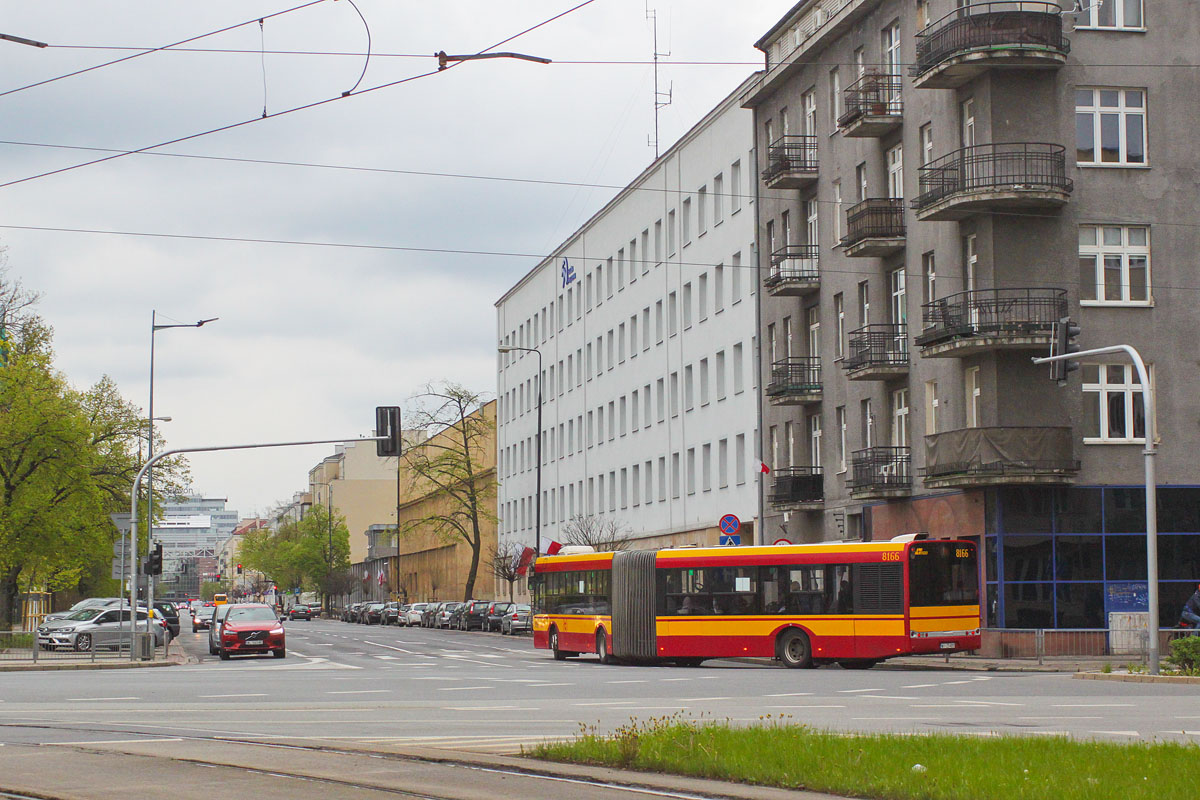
(940,183)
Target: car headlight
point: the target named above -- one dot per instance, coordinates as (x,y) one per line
(277,631)
(68,629)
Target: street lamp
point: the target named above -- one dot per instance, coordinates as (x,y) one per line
(537,547)
(444,60)
(154,328)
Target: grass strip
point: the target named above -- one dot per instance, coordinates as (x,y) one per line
(892,766)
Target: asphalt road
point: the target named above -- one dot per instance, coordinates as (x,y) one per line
(352,683)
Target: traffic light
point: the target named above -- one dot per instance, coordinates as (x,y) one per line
(239,569)
(387,423)
(1065,332)
(154,561)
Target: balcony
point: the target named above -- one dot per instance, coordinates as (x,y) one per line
(975,38)
(794,271)
(1011,176)
(874,106)
(791,162)
(798,489)
(795,381)
(874,227)
(974,457)
(984,320)
(877,352)
(880,472)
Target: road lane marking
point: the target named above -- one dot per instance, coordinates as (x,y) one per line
(636,681)
(608,703)
(888,697)
(791,694)
(535,685)
(668,680)
(206,696)
(363,691)
(855,691)
(492,708)
(1092,705)
(110,741)
(920,686)
(986,703)
(699,699)
(97,699)
(462,688)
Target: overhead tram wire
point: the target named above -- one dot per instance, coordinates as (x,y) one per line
(448,250)
(294,109)
(148,50)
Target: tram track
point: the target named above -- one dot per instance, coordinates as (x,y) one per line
(473,763)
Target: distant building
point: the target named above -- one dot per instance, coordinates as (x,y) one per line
(192,530)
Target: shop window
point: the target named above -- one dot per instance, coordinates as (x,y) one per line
(1027,558)
(1078,558)
(1029,605)
(1080,605)
(1125,557)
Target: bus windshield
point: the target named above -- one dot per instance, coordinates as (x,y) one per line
(942,574)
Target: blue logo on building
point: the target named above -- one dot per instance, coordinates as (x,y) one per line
(568,273)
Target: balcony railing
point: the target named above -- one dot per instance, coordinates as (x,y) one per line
(881,469)
(873,95)
(874,218)
(793,267)
(1005,167)
(990,456)
(795,376)
(877,346)
(790,160)
(992,313)
(992,28)
(798,485)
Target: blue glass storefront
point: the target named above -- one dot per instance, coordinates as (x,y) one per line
(1067,557)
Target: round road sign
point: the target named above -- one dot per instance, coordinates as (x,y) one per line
(729,524)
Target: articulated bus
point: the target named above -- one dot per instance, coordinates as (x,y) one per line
(805,605)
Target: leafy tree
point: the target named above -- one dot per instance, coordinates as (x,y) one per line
(451,467)
(299,554)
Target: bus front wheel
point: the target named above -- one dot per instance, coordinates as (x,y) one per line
(559,655)
(794,650)
(602,647)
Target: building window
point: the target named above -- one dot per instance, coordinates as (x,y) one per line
(739,458)
(689,389)
(864,304)
(839,317)
(735,187)
(672,314)
(702,211)
(723,464)
(1110,126)
(674,394)
(1112,15)
(675,476)
(860,178)
(718,288)
(671,232)
(900,432)
(702,298)
(735,279)
(926,143)
(932,407)
(687,306)
(738,369)
(835,98)
(1114,265)
(706,468)
(840,422)
(1112,404)
(895,168)
(658,256)
(972,396)
(687,221)
(929,271)
(837,212)
(704,394)
(814,440)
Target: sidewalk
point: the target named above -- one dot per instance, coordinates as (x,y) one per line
(962,661)
(175,656)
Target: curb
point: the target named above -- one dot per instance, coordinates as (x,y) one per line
(89,665)
(1136,678)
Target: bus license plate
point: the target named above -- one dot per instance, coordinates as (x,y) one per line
(947,645)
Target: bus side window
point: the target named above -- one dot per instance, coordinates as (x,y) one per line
(838,597)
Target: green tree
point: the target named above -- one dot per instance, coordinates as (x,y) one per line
(306,554)
(451,466)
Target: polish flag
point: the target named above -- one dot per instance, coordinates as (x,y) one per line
(524,560)
(763,468)
(381,577)
(553,548)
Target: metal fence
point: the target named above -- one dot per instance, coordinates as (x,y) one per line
(22,647)
(881,468)
(796,263)
(1014,23)
(878,345)
(994,312)
(1045,644)
(797,485)
(874,218)
(795,375)
(789,154)
(1028,166)
(873,95)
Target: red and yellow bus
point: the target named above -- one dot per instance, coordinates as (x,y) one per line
(854,604)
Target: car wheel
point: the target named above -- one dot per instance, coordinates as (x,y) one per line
(212,651)
(602,647)
(224,654)
(83,642)
(794,650)
(280,653)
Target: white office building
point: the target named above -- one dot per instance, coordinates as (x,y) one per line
(645,324)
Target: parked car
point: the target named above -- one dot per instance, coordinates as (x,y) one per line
(390,614)
(94,629)
(445,617)
(429,616)
(91,602)
(251,628)
(214,632)
(371,614)
(350,612)
(202,618)
(170,614)
(516,620)
(300,611)
(474,616)
(414,613)
(495,612)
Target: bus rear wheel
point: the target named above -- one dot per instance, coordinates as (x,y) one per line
(794,650)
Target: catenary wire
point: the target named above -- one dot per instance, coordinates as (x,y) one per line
(148,50)
(294,109)
(458,251)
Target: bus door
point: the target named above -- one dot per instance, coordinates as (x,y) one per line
(634,599)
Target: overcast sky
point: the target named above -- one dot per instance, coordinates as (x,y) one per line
(310,339)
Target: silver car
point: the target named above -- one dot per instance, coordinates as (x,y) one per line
(413,615)
(91,602)
(95,629)
(214,630)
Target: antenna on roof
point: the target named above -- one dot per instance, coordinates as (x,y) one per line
(661,99)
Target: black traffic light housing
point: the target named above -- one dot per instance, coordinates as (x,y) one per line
(239,569)
(154,561)
(1065,332)
(387,423)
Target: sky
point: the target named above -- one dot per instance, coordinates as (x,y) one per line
(311,337)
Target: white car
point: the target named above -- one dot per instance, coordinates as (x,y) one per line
(413,615)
